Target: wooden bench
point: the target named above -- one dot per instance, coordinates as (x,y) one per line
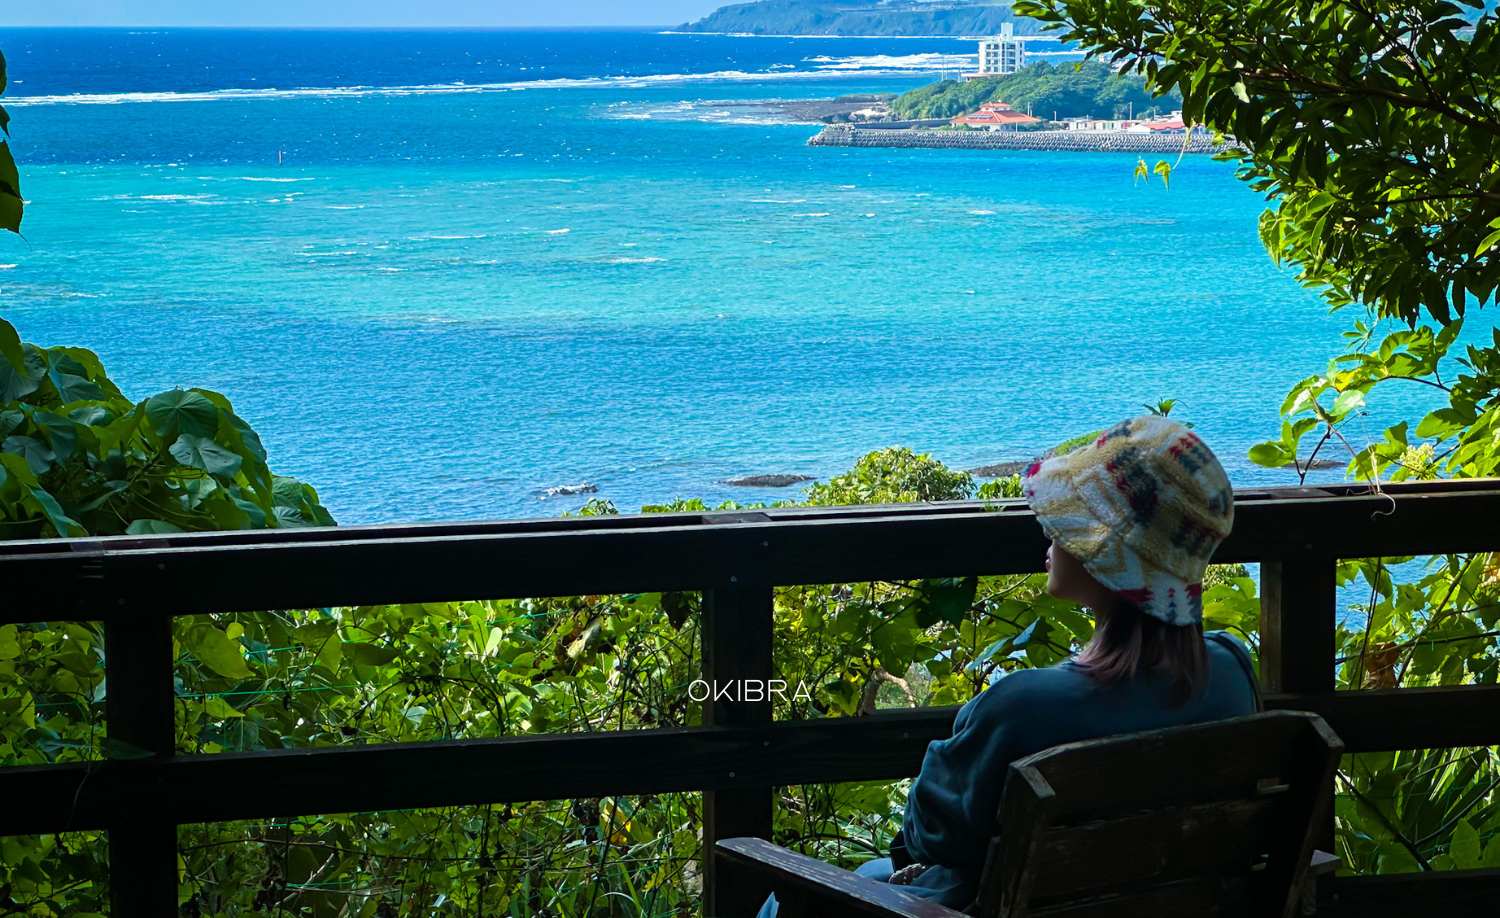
(1214,820)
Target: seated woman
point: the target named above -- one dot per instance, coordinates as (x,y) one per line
(1134,518)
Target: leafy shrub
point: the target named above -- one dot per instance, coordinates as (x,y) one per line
(79,458)
(1042,89)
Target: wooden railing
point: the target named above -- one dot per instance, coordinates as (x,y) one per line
(135,585)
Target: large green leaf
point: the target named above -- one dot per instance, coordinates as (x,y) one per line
(1271,455)
(947,599)
(38,455)
(1465,848)
(218,652)
(61,433)
(10,178)
(10,347)
(180,412)
(203,453)
(17,383)
(72,386)
(368,654)
(150,527)
(11,212)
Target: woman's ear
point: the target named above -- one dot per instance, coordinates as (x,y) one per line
(1067,578)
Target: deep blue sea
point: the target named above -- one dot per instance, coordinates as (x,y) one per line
(442,272)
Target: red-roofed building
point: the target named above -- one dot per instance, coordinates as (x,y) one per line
(996,116)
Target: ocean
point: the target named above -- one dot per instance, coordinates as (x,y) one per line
(443,272)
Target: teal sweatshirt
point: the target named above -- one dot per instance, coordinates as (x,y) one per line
(950,812)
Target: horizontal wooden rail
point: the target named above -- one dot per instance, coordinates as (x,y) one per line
(126,578)
(225,786)
(885,746)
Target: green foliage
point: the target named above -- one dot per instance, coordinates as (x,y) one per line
(889,476)
(1072,443)
(1088,89)
(857,17)
(1374,127)
(11,205)
(77,457)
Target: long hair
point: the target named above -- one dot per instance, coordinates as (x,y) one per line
(1126,642)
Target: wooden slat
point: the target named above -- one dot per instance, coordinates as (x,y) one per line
(808,888)
(142,582)
(139,707)
(1163,846)
(1446,894)
(1172,767)
(178,575)
(1299,606)
(1250,499)
(736,634)
(190,788)
(884,746)
(1202,897)
(143,866)
(1298,624)
(1410,718)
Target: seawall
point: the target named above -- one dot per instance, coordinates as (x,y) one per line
(842,135)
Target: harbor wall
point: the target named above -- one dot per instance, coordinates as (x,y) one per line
(842,135)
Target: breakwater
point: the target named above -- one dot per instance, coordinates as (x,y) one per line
(842,135)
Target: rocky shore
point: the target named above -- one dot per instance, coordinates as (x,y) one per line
(842,135)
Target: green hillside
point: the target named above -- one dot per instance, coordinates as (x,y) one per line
(1042,89)
(860,17)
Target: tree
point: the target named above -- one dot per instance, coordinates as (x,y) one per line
(1373,128)
(1373,125)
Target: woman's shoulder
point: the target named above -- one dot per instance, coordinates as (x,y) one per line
(1225,643)
(1025,687)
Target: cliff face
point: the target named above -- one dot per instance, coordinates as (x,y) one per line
(860,17)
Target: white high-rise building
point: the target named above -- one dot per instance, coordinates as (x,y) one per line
(998,56)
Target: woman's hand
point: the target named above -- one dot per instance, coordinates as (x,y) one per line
(905,875)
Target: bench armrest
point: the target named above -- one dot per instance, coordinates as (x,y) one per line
(807,886)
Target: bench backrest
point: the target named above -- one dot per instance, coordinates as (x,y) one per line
(1213,819)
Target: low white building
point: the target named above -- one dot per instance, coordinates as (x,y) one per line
(999,56)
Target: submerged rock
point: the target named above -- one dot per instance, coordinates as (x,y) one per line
(1321,464)
(566,490)
(767,481)
(1000,469)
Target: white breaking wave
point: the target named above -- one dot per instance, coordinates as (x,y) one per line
(826,67)
(887,63)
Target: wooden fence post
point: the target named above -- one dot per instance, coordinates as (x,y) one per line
(736,635)
(1298,621)
(140,708)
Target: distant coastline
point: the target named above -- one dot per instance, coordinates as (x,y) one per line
(843,135)
(832,19)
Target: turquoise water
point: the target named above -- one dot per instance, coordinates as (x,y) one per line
(445,302)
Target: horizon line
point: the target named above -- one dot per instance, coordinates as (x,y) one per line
(357,28)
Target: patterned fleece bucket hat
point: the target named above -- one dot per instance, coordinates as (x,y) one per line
(1142,507)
